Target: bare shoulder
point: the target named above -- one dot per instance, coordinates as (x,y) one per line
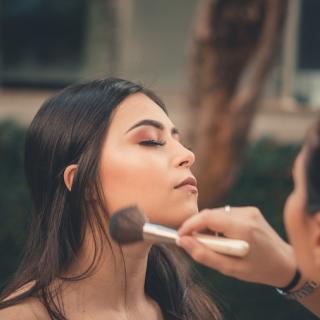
(30,309)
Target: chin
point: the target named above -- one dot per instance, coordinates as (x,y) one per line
(175,219)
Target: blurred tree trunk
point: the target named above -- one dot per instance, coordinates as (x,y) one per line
(233,47)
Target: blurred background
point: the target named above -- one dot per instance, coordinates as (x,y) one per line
(241,80)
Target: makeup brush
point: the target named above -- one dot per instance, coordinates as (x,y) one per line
(128,225)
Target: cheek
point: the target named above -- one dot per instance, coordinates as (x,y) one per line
(294,220)
(134,179)
(289,216)
(298,232)
(146,180)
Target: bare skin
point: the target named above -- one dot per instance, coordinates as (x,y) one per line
(271,260)
(131,172)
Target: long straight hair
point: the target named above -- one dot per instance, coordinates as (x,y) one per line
(70,128)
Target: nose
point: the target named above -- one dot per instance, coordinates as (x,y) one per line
(185,157)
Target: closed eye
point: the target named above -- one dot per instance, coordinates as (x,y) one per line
(151,143)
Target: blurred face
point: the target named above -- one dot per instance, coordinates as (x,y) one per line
(143,162)
(302,227)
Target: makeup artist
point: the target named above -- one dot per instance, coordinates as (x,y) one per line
(293,269)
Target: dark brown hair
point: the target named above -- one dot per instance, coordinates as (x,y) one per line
(70,128)
(312,169)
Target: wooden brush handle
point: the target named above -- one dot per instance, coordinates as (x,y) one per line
(231,247)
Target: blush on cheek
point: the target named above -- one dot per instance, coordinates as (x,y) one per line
(123,188)
(141,177)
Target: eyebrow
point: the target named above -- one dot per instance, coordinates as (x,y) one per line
(153,123)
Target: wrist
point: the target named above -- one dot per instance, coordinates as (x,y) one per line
(293,284)
(298,288)
(299,284)
(303,292)
(286,268)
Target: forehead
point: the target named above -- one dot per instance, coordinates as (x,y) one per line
(137,107)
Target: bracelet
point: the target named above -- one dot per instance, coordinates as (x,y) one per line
(305,290)
(296,278)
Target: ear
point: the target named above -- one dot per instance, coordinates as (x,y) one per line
(68,175)
(316,238)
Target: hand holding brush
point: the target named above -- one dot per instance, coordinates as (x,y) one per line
(128,225)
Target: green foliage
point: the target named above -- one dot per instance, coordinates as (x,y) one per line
(14,199)
(265,182)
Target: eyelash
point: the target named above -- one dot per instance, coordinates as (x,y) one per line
(151,143)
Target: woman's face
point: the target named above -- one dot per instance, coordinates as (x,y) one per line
(143,161)
(300,226)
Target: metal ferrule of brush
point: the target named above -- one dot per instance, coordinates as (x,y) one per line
(157,233)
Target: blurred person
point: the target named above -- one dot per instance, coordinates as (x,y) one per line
(293,269)
(90,150)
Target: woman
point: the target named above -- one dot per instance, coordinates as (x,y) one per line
(271,260)
(92,149)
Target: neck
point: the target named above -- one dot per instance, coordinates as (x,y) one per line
(116,284)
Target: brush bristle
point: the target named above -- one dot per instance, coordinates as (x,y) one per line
(126,225)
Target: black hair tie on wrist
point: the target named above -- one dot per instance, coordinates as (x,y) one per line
(293,282)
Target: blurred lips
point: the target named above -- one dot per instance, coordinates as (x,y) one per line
(189,184)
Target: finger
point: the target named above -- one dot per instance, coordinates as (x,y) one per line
(213,219)
(231,224)
(207,257)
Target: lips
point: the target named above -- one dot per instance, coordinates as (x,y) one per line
(190,183)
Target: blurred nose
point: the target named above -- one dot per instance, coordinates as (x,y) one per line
(184,157)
